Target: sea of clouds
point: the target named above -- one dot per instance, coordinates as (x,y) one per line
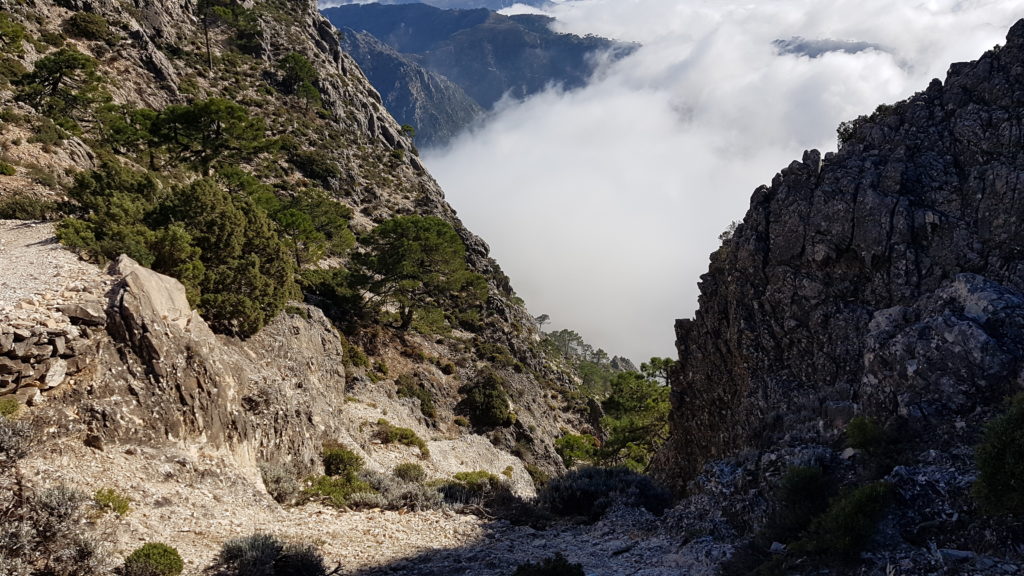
(602,204)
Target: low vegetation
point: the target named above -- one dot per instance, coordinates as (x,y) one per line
(42,530)
(280,481)
(1000,460)
(485,401)
(25,207)
(266,555)
(110,500)
(408,386)
(9,406)
(556,565)
(390,434)
(588,492)
(153,559)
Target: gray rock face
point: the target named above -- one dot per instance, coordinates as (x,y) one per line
(884,280)
(435,106)
(189,385)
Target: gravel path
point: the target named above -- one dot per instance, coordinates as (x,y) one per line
(33,264)
(195,501)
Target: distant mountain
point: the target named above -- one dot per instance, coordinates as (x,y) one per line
(458,4)
(486,54)
(438,108)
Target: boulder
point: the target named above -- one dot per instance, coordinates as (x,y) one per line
(85,313)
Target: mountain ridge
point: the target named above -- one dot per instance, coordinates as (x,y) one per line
(488,55)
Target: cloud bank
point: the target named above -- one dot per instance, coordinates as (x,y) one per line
(603,204)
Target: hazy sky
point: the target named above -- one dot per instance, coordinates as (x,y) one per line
(603,204)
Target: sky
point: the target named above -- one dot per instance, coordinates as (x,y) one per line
(603,204)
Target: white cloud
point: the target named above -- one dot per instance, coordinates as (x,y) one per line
(603,204)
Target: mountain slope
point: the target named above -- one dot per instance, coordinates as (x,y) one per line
(486,54)
(291,132)
(415,96)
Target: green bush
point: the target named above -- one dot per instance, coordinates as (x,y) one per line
(25,207)
(12,33)
(477,488)
(865,434)
(409,387)
(1000,459)
(410,472)
(849,523)
(556,565)
(9,406)
(576,448)
(802,495)
(589,492)
(335,490)
(47,133)
(11,70)
(6,169)
(110,500)
(341,479)
(317,166)
(208,234)
(88,26)
(340,461)
(266,555)
(153,559)
(486,402)
(54,39)
(389,434)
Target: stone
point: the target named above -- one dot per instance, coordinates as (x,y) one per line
(85,313)
(6,342)
(29,396)
(11,366)
(94,441)
(950,555)
(76,364)
(59,345)
(56,370)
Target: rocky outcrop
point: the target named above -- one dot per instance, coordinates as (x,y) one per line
(166,377)
(884,281)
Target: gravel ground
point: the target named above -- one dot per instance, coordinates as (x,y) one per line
(196,501)
(32,264)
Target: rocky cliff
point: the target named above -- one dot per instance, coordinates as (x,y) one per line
(436,107)
(883,282)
